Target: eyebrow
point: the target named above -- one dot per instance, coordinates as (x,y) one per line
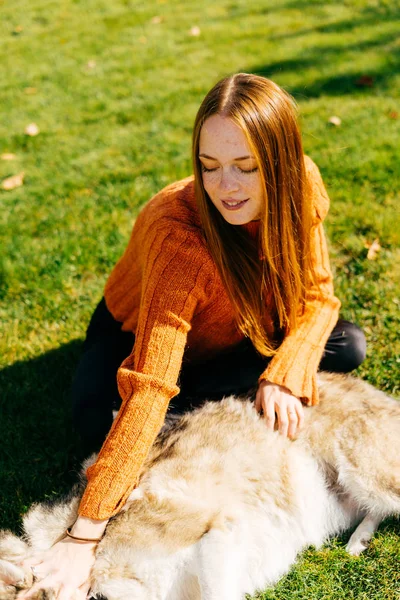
(236,159)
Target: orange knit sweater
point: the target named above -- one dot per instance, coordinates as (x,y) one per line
(166,290)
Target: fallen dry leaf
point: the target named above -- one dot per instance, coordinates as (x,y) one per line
(335,121)
(195,31)
(373,249)
(18,29)
(393,115)
(13,182)
(32,129)
(365,81)
(8,156)
(156,20)
(30,91)
(91,64)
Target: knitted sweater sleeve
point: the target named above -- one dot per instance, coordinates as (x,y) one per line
(174,279)
(295,364)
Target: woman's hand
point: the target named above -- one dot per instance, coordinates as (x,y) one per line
(271,399)
(65,567)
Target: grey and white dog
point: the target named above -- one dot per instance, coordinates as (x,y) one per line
(224,505)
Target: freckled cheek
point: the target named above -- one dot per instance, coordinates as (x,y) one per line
(255,188)
(210,182)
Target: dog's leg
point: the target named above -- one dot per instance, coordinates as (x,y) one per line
(362,535)
(218,566)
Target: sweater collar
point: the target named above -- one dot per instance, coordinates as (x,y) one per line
(252,228)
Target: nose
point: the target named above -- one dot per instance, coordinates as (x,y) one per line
(228,181)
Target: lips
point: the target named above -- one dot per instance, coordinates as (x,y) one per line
(232,204)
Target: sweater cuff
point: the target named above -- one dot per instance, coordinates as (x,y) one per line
(302,385)
(296,362)
(110,485)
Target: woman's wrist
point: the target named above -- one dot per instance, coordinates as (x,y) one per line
(282,388)
(88,528)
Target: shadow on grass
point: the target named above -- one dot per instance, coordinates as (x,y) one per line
(360,82)
(40,452)
(350,80)
(368,16)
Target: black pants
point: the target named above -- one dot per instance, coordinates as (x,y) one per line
(94,389)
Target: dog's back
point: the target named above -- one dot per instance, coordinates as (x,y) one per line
(355,430)
(219,491)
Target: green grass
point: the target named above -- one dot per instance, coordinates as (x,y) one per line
(114,132)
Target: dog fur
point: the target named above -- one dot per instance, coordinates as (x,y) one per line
(224,505)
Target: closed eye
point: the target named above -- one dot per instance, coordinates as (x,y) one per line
(205,170)
(248,170)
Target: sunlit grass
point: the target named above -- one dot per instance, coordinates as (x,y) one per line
(114,92)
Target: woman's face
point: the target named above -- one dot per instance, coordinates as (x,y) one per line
(230,174)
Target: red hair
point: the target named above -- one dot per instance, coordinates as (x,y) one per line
(268,117)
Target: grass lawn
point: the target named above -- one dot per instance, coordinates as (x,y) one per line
(114,88)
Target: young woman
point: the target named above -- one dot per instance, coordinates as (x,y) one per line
(225,286)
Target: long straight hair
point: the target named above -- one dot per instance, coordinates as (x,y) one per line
(269,276)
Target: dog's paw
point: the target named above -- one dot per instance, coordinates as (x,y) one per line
(51,594)
(357,545)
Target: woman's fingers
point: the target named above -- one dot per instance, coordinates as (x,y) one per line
(65,592)
(295,415)
(300,414)
(269,413)
(83,592)
(32,561)
(45,584)
(283,419)
(276,400)
(34,568)
(293,420)
(64,570)
(69,593)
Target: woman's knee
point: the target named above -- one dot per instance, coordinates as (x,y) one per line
(357,344)
(346,348)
